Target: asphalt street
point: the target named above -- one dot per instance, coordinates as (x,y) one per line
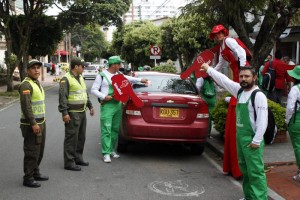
(147,171)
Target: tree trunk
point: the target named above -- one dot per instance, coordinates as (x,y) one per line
(10,63)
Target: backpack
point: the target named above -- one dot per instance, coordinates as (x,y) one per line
(268,82)
(271,130)
(208,88)
(248,52)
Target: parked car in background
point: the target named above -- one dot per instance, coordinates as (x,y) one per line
(173,112)
(98,66)
(90,72)
(48,66)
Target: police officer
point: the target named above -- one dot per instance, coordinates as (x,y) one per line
(33,126)
(73,101)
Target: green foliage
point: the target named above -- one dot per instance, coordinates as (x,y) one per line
(92,41)
(219,114)
(184,37)
(134,41)
(279,115)
(40,43)
(242,16)
(164,68)
(103,12)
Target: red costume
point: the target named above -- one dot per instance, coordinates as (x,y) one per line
(230,160)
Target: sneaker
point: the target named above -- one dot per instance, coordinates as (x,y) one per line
(106,158)
(115,155)
(297,177)
(242,199)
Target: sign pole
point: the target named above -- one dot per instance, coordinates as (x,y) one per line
(154,62)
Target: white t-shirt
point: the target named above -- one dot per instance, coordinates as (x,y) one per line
(261,105)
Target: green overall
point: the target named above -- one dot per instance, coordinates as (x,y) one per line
(208,93)
(294,131)
(250,160)
(110,121)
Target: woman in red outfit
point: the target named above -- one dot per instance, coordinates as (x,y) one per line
(232,53)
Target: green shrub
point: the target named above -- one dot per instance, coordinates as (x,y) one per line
(164,68)
(279,115)
(220,111)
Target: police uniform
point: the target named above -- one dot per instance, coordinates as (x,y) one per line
(73,101)
(32,99)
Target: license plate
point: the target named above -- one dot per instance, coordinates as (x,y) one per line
(169,112)
(90,71)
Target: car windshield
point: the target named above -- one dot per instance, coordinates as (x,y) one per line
(169,84)
(90,68)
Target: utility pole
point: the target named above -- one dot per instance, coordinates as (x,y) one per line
(140,12)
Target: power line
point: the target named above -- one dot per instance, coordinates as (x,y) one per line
(163,4)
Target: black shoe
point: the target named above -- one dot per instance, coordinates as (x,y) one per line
(31,183)
(41,177)
(73,168)
(82,163)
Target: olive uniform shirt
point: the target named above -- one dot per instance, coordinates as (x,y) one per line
(25,91)
(64,93)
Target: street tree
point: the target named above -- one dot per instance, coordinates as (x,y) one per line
(273,16)
(40,42)
(8,13)
(183,38)
(102,12)
(134,41)
(91,40)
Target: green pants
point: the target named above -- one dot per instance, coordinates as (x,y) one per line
(211,102)
(75,132)
(294,131)
(110,125)
(33,150)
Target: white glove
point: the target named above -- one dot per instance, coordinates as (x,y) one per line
(227,99)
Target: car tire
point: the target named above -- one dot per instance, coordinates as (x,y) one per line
(122,145)
(197,149)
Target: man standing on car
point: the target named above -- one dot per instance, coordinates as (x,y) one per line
(33,126)
(250,132)
(110,108)
(73,101)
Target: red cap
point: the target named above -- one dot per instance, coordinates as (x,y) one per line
(217,29)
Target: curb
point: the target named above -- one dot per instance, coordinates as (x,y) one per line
(10,103)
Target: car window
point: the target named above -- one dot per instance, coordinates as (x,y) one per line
(169,84)
(90,68)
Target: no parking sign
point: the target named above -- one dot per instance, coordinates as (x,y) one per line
(155,50)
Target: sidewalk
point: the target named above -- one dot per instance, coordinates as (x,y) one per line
(279,160)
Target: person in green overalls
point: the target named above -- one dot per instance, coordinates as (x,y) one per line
(33,124)
(250,132)
(293,116)
(207,89)
(73,102)
(110,109)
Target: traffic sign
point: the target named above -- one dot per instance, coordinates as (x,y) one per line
(155,50)
(154,57)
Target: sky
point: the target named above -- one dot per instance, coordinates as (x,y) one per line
(54,10)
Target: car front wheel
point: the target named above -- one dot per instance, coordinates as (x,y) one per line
(122,145)
(197,149)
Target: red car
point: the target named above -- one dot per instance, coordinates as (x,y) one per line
(173,112)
